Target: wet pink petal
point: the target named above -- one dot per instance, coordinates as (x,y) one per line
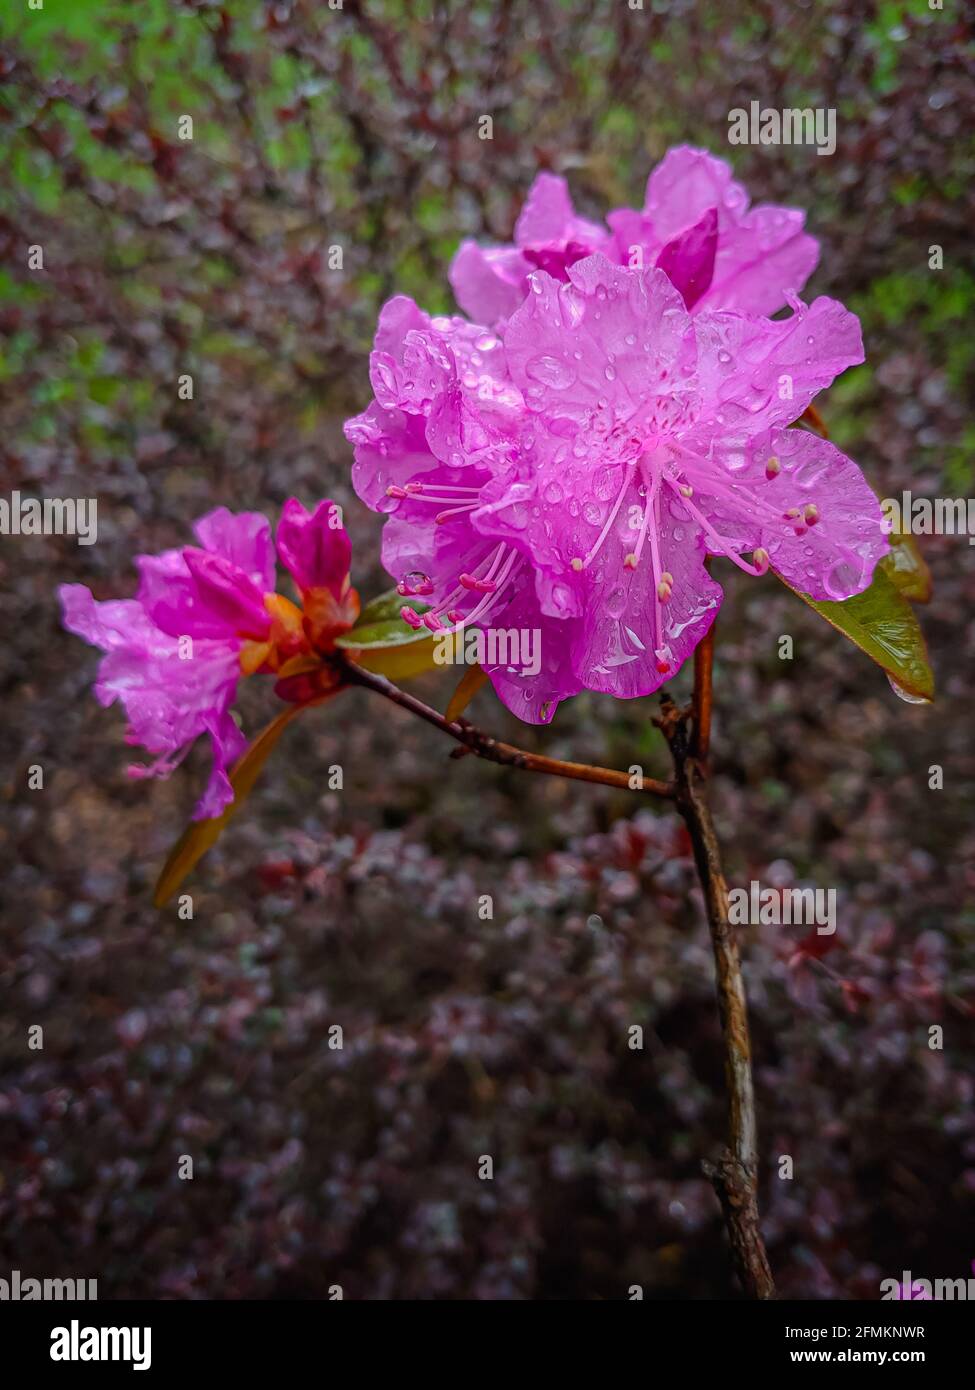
(628,642)
(171,692)
(760,255)
(488,282)
(398,316)
(169,595)
(532,697)
(812,511)
(549,219)
(548,213)
(225,592)
(240,549)
(243,538)
(688,260)
(685,185)
(228,744)
(314,547)
(757,372)
(390,449)
(761,261)
(608,353)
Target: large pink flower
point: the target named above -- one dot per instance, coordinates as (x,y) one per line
(695,224)
(654,439)
(576,475)
(207,614)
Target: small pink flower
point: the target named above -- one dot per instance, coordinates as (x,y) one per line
(695,225)
(205,615)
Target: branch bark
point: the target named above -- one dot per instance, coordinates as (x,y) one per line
(482,745)
(735,1174)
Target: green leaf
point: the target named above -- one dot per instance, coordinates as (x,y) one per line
(201,835)
(387,645)
(881,622)
(907,567)
(385,608)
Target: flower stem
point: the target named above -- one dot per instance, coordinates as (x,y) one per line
(703,667)
(735,1175)
(482,745)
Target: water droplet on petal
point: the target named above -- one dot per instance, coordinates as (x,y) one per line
(551,371)
(842,579)
(616,603)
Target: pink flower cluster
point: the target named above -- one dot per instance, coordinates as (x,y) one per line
(204,616)
(565,466)
(695,224)
(621,414)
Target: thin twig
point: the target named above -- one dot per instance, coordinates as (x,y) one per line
(482,745)
(813,417)
(735,1175)
(703,666)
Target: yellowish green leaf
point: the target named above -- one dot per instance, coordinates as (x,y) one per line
(382,642)
(907,567)
(470,683)
(201,835)
(400,662)
(882,623)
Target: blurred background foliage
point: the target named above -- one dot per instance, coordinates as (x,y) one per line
(358,128)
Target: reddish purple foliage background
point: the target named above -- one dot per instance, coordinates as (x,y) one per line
(210,1038)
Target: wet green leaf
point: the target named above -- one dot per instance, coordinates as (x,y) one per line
(881,622)
(907,567)
(387,645)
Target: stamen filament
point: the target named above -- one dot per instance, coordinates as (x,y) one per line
(443,517)
(579,565)
(722,545)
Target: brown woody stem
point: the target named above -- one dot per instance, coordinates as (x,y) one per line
(703,667)
(735,1174)
(482,745)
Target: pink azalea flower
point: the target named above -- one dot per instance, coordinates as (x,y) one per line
(695,224)
(659,438)
(446,420)
(575,475)
(207,614)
